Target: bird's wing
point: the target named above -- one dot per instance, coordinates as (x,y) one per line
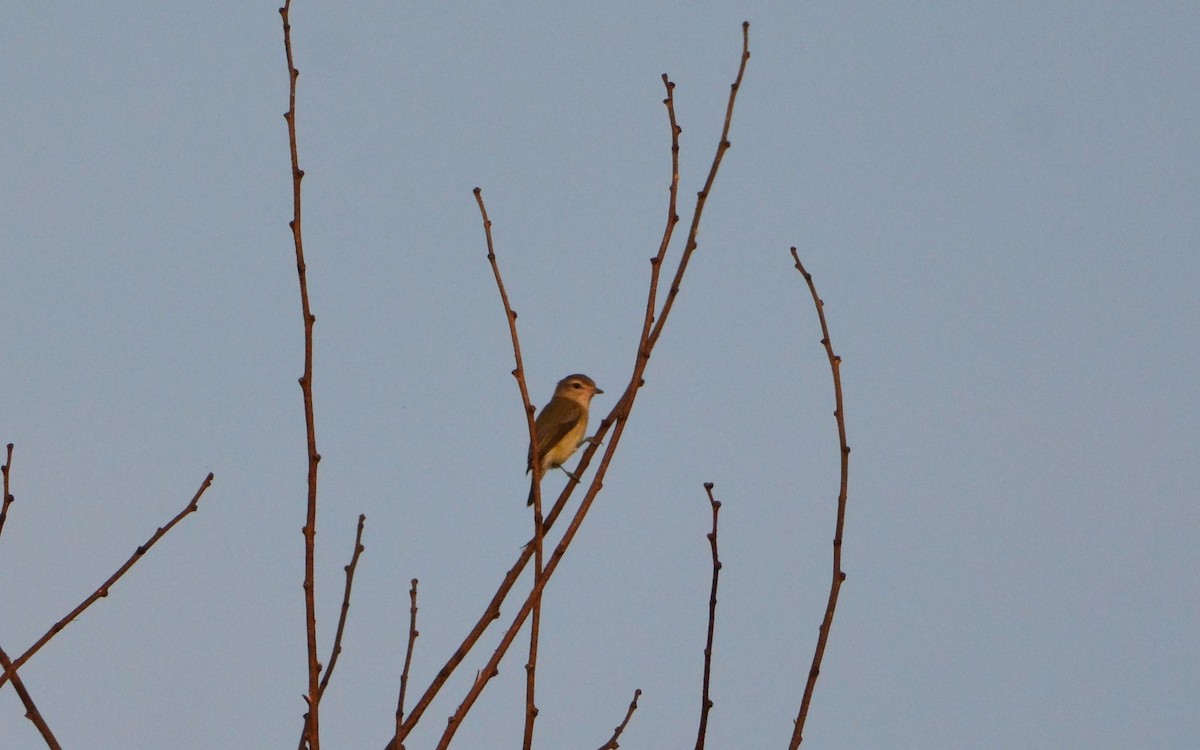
(553,423)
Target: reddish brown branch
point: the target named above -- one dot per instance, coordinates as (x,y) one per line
(341,626)
(310,525)
(536,467)
(102,591)
(492,611)
(336,651)
(835,364)
(31,710)
(705,702)
(612,741)
(8,498)
(702,196)
(615,421)
(672,216)
(412,639)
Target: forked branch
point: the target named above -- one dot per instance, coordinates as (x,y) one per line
(31,710)
(617,419)
(336,650)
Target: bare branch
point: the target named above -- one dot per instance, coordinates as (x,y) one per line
(615,421)
(341,626)
(612,741)
(835,364)
(536,467)
(336,651)
(702,196)
(27,700)
(102,591)
(672,215)
(8,498)
(705,702)
(412,639)
(310,526)
(31,710)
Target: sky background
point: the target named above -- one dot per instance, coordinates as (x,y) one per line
(998,203)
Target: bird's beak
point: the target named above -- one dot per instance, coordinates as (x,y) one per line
(599,391)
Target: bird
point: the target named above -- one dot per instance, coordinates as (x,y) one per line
(562,424)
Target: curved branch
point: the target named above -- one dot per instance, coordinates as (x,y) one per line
(835,586)
(612,741)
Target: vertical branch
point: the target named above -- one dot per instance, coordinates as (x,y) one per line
(835,364)
(412,639)
(535,625)
(702,196)
(310,524)
(8,498)
(336,651)
(672,217)
(536,466)
(705,702)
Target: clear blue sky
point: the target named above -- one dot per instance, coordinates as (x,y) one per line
(999,206)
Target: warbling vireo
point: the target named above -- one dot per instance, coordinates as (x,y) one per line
(562,423)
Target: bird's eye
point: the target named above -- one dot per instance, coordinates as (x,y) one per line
(577,385)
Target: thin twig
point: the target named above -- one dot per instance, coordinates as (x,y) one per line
(412,639)
(835,364)
(341,626)
(612,741)
(617,419)
(313,697)
(705,702)
(490,613)
(672,215)
(535,464)
(702,196)
(336,651)
(8,498)
(102,591)
(31,710)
